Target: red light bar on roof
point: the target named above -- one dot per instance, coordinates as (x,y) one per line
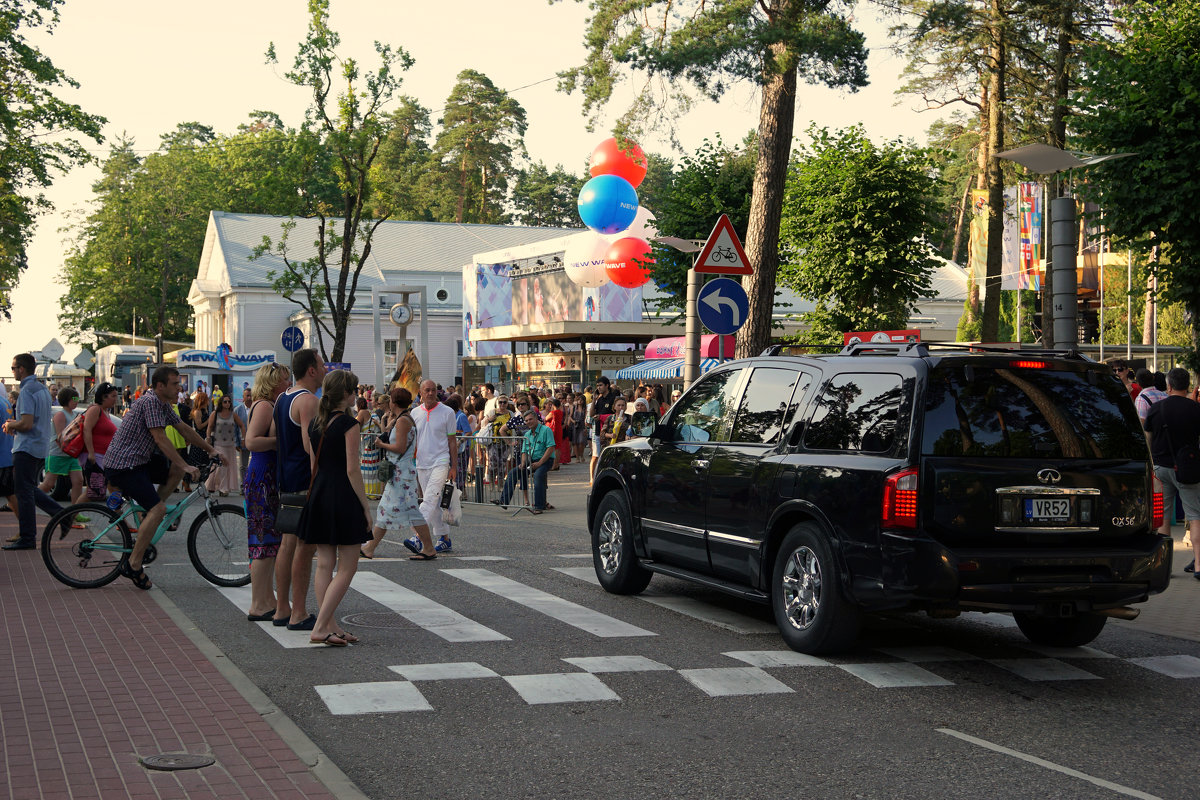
(1028,364)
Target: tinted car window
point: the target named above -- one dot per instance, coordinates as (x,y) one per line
(761,415)
(856,411)
(980,410)
(700,414)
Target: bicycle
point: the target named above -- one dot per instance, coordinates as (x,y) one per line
(94,554)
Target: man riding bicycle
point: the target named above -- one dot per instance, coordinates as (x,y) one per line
(141,456)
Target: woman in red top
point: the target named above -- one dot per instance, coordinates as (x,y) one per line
(554,421)
(98,431)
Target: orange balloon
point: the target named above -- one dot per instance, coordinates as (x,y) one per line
(628,262)
(625,159)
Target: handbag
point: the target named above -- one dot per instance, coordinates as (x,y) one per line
(291,504)
(1187,460)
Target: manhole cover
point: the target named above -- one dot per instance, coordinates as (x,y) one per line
(376,619)
(173,761)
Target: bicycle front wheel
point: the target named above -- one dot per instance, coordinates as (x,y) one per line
(85,555)
(219,546)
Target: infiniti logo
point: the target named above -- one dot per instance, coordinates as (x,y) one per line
(1049,476)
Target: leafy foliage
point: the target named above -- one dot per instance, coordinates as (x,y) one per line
(483,131)
(858,219)
(1142,95)
(542,197)
(714,180)
(37,130)
(352,127)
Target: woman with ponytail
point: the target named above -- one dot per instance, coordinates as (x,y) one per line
(337,516)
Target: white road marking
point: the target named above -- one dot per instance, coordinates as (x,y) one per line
(997,619)
(481,558)
(895,676)
(1067,652)
(420,610)
(574,555)
(381,697)
(570,687)
(1171,666)
(777,658)
(596,664)
(734,681)
(555,607)
(1043,669)
(1041,762)
(240,597)
(689,607)
(444,672)
(927,655)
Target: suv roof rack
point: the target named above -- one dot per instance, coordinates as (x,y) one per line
(923,350)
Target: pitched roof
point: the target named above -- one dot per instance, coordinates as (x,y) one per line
(949,280)
(397,246)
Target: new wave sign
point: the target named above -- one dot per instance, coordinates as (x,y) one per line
(222,360)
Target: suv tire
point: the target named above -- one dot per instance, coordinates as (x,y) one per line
(616,564)
(1057,631)
(806,595)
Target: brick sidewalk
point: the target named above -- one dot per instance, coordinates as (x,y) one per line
(95,679)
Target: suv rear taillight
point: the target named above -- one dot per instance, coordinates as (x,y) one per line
(1156,509)
(900,500)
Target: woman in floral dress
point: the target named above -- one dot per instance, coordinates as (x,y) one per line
(260,491)
(400,508)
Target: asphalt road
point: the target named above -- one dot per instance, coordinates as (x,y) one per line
(487,648)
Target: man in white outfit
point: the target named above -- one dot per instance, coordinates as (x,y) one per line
(436,458)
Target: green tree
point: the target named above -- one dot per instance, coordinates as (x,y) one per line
(858,220)
(405,158)
(37,131)
(1141,94)
(544,198)
(482,135)
(352,126)
(715,180)
(711,44)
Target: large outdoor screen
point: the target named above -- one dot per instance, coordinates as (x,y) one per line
(545,297)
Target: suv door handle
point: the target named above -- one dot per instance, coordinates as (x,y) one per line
(700,464)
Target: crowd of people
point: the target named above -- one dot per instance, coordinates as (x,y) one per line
(295,442)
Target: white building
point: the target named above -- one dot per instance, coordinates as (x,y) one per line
(234,303)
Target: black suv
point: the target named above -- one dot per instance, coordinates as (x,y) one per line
(905,477)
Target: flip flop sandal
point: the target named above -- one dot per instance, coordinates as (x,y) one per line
(347,637)
(422,557)
(326,641)
(363,554)
(304,625)
(267,617)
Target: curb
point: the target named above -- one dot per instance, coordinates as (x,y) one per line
(321,766)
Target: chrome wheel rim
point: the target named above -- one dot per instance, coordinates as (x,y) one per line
(609,540)
(802,588)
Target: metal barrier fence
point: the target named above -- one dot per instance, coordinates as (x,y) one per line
(485,464)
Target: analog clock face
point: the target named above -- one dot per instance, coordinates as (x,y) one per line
(401,314)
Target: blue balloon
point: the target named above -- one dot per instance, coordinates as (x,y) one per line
(608,204)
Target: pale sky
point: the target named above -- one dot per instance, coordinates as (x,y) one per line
(147,65)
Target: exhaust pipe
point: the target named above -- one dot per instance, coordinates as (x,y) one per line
(1123,612)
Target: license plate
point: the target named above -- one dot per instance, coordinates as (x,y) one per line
(1039,508)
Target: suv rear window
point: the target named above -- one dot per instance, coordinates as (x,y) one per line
(991,410)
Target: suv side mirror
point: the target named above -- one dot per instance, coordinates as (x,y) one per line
(643,424)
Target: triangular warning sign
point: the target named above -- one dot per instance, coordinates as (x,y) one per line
(723,253)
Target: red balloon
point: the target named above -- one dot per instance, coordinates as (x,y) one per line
(625,160)
(628,262)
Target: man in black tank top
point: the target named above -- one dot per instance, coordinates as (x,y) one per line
(293,563)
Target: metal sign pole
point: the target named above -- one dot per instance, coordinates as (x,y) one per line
(691,352)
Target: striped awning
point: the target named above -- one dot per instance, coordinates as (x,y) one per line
(661,368)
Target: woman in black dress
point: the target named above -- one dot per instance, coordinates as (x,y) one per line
(336,517)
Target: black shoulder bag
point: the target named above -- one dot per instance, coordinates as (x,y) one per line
(291,504)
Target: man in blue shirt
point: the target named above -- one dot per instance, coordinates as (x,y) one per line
(32,431)
(537,455)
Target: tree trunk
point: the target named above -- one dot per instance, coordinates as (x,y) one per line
(962,218)
(1058,138)
(775,120)
(990,329)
